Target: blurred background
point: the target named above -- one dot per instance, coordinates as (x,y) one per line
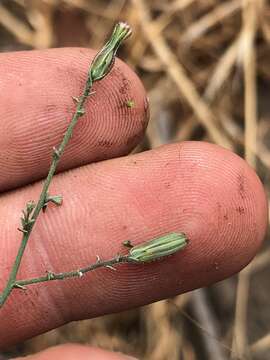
(206,67)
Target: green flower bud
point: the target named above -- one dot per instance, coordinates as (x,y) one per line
(104,59)
(158,247)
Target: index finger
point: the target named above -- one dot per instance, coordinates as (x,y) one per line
(36,107)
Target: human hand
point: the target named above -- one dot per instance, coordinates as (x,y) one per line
(201,189)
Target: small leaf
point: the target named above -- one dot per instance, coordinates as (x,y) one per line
(55,199)
(30,205)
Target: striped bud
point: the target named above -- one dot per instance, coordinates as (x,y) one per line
(104,59)
(158,247)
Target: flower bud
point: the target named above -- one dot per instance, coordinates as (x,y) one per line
(104,59)
(158,247)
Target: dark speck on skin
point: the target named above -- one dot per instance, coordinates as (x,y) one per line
(125,86)
(105,143)
(241,184)
(125,83)
(240,209)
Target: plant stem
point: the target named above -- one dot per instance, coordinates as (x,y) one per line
(100,67)
(57,153)
(74,273)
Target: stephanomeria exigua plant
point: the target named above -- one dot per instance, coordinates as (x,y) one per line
(148,251)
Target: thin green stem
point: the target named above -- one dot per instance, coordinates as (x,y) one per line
(57,153)
(74,273)
(100,67)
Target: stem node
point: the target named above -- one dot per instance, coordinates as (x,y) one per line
(22,230)
(18,286)
(75,99)
(80,274)
(110,267)
(56,153)
(81,112)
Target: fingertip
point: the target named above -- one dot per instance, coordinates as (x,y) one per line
(234,202)
(116,114)
(78,352)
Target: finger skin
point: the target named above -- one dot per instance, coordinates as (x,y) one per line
(78,352)
(204,190)
(36,107)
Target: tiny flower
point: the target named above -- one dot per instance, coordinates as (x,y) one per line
(158,247)
(104,59)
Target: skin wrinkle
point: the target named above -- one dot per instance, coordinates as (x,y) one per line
(104,291)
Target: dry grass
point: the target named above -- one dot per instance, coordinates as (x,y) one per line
(213,56)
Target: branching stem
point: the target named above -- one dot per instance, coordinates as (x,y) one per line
(152,250)
(57,153)
(75,273)
(100,67)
